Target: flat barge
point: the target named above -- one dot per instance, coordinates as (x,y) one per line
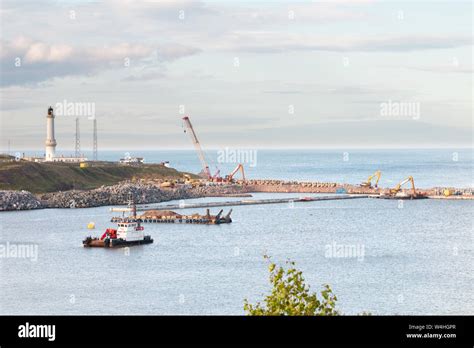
(171,217)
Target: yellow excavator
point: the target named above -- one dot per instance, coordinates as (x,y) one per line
(167,184)
(230,177)
(397,188)
(193,182)
(368,183)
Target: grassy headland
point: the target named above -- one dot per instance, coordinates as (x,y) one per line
(52,177)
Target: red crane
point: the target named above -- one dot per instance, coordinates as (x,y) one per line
(205,168)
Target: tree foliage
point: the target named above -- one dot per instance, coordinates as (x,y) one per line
(291,296)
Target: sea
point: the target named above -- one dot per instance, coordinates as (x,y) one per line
(378,256)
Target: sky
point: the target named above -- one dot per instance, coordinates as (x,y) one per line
(257,74)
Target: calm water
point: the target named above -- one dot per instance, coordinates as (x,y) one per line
(412,259)
(434,167)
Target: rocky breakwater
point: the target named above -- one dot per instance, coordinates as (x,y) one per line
(291,186)
(305,187)
(143,193)
(18,200)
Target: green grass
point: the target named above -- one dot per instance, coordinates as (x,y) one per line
(51,177)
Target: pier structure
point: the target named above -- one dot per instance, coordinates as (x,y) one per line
(241,202)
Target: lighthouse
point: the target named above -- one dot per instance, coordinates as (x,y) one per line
(50,140)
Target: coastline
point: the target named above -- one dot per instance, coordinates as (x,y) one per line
(144,193)
(148,192)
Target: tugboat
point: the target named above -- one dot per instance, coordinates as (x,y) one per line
(129,232)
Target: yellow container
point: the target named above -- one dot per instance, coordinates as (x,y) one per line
(83,165)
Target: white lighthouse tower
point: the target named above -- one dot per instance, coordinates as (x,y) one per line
(50,140)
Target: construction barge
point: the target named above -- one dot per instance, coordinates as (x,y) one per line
(171,217)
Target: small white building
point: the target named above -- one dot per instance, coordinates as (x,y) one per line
(69,159)
(132,160)
(56,159)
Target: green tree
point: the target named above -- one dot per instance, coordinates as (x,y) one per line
(291,296)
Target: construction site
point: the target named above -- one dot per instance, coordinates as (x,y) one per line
(231,186)
(405,189)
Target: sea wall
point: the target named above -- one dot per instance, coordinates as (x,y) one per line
(119,194)
(304,187)
(110,195)
(331,187)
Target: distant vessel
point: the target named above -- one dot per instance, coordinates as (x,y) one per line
(129,232)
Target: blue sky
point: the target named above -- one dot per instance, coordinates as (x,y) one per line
(249,74)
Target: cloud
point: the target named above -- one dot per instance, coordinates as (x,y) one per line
(17,104)
(443,69)
(283,92)
(289,14)
(213,27)
(149,76)
(170,52)
(25,61)
(40,52)
(353,133)
(282,42)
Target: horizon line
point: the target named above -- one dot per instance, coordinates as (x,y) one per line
(336,147)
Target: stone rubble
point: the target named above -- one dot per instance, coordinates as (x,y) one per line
(143,193)
(18,200)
